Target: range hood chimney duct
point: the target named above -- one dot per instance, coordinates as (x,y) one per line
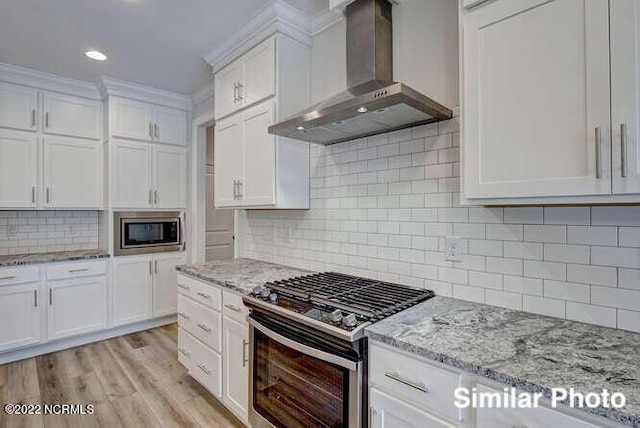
(373,104)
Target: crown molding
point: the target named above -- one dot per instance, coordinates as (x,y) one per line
(47,81)
(276,17)
(324,20)
(109,86)
(202,95)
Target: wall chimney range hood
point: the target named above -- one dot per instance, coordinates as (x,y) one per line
(374,103)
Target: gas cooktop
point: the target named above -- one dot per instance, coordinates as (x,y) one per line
(335,303)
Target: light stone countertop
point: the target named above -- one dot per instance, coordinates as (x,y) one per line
(60,256)
(533,353)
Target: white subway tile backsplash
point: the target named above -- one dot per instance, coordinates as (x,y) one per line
(383,206)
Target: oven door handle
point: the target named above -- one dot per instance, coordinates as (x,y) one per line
(307,350)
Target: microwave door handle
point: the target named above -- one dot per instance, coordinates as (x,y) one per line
(307,350)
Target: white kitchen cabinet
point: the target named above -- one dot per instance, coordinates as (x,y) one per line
(138,120)
(20,315)
(130,175)
(235,363)
(170,125)
(170,177)
(71,116)
(536,124)
(131,288)
(257,186)
(72,172)
(227,173)
(389,412)
(246,81)
(625,96)
(143,175)
(165,280)
(18,169)
(130,119)
(76,306)
(18,107)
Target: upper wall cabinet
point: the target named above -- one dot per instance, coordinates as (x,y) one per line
(255,169)
(71,116)
(18,107)
(137,120)
(246,81)
(536,115)
(18,169)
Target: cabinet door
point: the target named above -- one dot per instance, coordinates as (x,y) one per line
(226,82)
(170,177)
(76,306)
(170,126)
(130,175)
(18,106)
(258,184)
(18,169)
(72,116)
(131,299)
(130,119)
(20,316)
(165,283)
(228,155)
(72,173)
(235,389)
(536,99)
(388,412)
(625,95)
(259,72)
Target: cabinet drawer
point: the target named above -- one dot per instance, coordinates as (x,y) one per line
(76,270)
(19,275)
(202,322)
(233,307)
(204,365)
(206,294)
(395,373)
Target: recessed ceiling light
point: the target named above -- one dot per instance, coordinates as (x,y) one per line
(300,128)
(363,110)
(97,55)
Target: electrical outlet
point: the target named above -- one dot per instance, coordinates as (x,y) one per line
(453,248)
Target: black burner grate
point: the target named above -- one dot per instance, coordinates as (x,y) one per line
(369,298)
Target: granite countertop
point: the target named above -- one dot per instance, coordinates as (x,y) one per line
(60,256)
(240,275)
(530,352)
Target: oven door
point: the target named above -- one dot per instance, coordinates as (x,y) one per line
(298,379)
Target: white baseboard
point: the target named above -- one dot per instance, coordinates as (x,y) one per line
(72,342)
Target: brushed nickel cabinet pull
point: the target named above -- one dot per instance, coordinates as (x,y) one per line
(240,92)
(50,296)
(33,195)
(6,278)
(206,296)
(204,369)
(416,385)
(150,130)
(78,270)
(240,184)
(183,315)
(233,308)
(204,327)
(156,130)
(184,287)
(184,352)
(155,266)
(598,148)
(156,199)
(33,117)
(245,360)
(35,298)
(48,195)
(46,120)
(623,149)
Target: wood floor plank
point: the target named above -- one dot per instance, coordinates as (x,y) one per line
(76,361)
(136,340)
(211,414)
(114,381)
(138,373)
(22,380)
(134,412)
(170,412)
(89,390)
(22,421)
(55,388)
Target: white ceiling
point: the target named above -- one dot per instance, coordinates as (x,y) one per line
(158,43)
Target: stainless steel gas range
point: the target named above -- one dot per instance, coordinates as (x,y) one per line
(308,357)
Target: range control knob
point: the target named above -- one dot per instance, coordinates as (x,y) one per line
(257,290)
(273,298)
(336,316)
(265,293)
(350,320)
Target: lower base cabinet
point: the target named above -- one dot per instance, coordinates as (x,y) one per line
(76,306)
(207,313)
(20,315)
(388,412)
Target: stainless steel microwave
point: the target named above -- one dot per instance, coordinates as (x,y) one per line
(147,232)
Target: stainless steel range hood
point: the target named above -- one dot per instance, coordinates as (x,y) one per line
(373,104)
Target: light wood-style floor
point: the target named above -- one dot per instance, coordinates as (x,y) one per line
(133,381)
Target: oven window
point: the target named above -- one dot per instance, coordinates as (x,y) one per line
(292,389)
(150,233)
